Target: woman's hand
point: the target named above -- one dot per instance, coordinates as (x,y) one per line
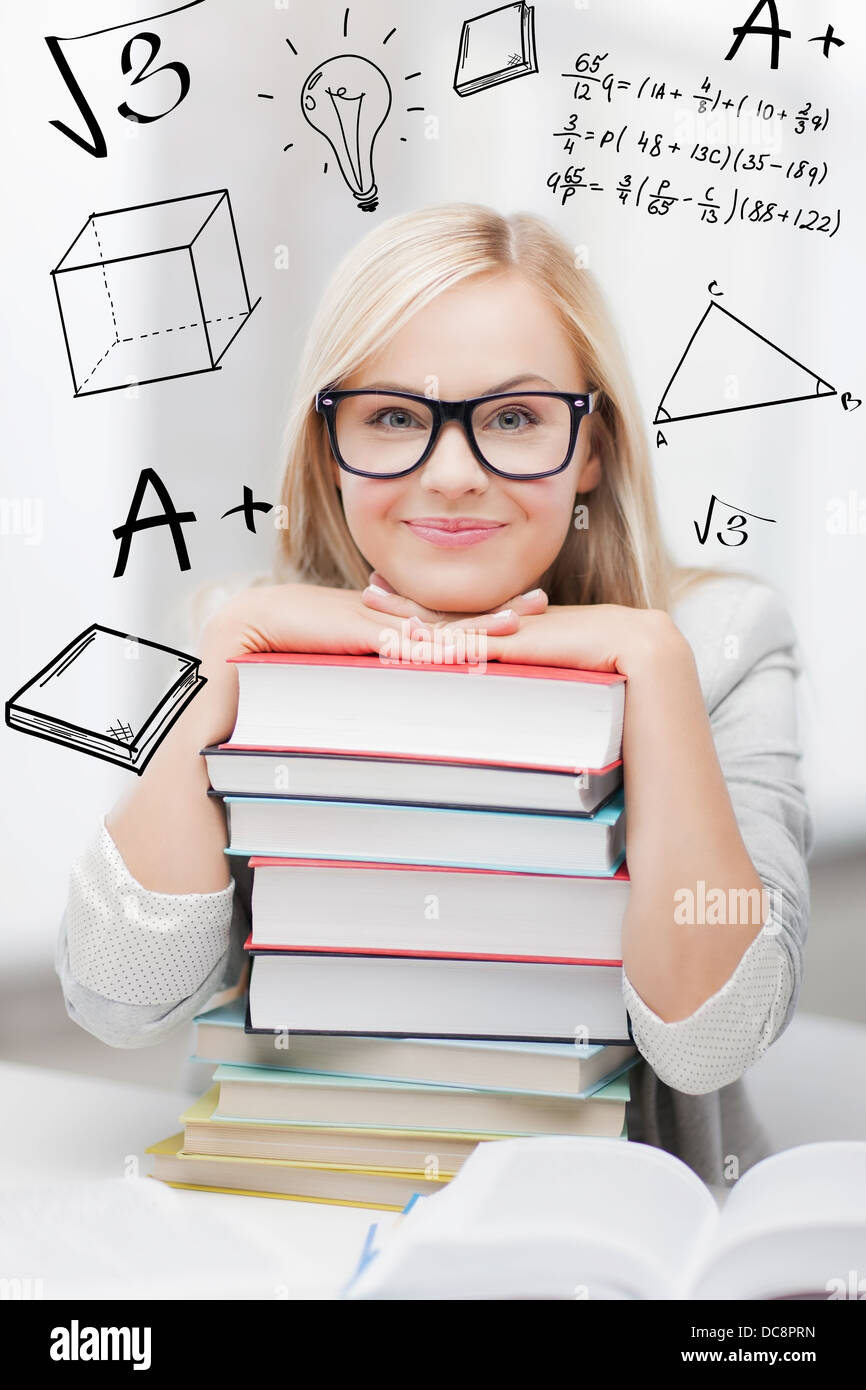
(592,637)
(379,595)
(280,618)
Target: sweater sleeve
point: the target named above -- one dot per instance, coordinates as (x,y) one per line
(133,963)
(754,723)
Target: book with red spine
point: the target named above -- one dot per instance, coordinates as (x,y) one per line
(424,910)
(553,718)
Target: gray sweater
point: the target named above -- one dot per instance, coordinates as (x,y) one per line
(687,1090)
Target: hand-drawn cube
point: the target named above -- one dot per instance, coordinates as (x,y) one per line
(151,292)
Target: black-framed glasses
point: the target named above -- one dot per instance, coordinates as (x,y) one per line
(514,434)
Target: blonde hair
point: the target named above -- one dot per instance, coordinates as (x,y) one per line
(398,268)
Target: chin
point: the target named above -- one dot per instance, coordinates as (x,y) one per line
(459,599)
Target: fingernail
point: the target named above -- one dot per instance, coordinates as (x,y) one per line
(533,593)
(375,589)
(503,613)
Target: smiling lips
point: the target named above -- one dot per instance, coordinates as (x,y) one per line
(451,532)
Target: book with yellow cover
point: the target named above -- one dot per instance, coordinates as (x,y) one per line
(344,1185)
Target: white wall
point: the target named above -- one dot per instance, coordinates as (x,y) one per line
(208,435)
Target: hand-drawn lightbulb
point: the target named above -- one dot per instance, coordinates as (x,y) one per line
(346,99)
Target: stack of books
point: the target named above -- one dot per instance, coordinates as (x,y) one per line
(439,883)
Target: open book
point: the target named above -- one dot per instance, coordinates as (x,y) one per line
(589,1218)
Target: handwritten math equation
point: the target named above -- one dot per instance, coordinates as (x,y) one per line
(660,200)
(706,101)
(709,131)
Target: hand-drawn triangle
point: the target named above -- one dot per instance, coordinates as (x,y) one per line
(729,366)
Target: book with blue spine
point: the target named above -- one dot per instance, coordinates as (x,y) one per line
(470,837)
(576,1069)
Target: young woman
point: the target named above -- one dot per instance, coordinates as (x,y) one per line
(457,303)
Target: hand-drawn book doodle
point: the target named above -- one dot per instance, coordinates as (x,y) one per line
(151,292)
(727,366)
(495,47)
(109,695)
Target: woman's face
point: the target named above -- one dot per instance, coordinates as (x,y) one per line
(491,333)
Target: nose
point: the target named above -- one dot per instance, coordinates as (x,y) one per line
(452,468)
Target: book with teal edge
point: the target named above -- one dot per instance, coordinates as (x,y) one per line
(617,1090)
(610,814)
(232,1014)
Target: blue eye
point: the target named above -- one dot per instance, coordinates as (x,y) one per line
(514,417)
(386,417)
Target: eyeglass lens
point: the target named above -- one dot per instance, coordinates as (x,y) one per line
(520,434)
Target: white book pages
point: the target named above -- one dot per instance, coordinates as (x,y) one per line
(794,1223)
(596,1218)
(558,723)
(553,1219)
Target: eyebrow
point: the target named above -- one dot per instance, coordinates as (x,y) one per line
(491,390)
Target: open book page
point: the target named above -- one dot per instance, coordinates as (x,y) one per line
(793,1224)
(550,1218)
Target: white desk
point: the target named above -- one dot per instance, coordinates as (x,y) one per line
(60,1128)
